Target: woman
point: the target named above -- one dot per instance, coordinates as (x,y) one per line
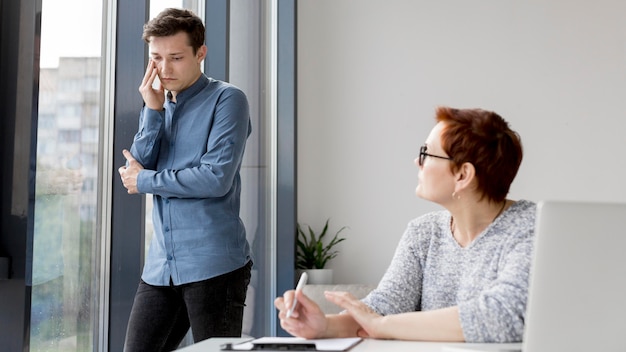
(459,274)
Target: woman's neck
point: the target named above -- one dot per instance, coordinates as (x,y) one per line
(471,220)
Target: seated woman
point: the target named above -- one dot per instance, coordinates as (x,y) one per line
(459,274)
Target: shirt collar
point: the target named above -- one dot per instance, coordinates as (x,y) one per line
(192,90)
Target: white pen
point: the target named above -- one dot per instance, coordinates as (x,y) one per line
(299,287)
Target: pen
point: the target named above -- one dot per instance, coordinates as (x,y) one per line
(299,287)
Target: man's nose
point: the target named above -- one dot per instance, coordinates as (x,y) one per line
(165,66)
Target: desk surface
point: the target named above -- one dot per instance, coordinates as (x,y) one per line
(213,345)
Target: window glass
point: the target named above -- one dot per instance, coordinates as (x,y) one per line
(157,6)
(246,72)
(67,242)
(247,49)
(64,301)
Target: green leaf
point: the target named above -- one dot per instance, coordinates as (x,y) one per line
(311,251)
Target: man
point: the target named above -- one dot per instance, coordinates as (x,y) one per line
(187,153)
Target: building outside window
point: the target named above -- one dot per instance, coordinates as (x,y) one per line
(67,244)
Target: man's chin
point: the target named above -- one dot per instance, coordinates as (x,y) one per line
(170,89)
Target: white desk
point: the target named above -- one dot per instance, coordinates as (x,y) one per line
(368,345)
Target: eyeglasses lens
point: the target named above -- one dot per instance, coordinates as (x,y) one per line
(422,155)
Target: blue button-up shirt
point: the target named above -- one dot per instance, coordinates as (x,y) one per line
(192,153)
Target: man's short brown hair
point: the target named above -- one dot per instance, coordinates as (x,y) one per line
(171,21)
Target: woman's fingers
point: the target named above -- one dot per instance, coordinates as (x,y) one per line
(360,311)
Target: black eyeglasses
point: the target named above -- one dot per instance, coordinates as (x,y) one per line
(423,156)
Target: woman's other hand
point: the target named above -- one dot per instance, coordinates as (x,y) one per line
(370,322)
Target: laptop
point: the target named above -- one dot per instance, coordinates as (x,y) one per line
(577,292)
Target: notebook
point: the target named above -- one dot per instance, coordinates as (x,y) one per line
(294,344)
(577,292)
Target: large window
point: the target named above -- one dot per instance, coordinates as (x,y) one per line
(72,230)
(66,240)
(245,67)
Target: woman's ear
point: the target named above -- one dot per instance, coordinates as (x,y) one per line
(465,175)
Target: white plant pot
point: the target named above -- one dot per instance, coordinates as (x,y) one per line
(318,276)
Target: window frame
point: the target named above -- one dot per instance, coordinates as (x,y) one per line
(122,220)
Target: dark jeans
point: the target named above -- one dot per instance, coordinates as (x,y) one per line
(161,315)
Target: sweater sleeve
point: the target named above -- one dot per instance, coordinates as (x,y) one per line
(487,280)
(497,313)
(399,290)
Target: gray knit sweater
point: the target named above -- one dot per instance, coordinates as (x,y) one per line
(488,279)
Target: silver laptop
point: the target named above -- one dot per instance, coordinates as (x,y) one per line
(577,293)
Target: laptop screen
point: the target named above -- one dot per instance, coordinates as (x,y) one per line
(577,287)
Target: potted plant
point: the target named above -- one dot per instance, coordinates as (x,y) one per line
(313,253)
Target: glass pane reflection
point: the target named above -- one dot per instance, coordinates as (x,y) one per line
(64,301)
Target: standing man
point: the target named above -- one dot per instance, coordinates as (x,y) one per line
(187,153)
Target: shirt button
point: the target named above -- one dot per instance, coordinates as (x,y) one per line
(167,229)
(169,257)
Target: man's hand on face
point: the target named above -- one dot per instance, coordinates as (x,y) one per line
(129,173)
(154,98)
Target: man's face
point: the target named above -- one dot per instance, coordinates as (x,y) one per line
(178,67)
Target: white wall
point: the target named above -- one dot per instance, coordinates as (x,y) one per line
(371,73)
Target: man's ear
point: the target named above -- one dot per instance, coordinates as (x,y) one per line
(201,53)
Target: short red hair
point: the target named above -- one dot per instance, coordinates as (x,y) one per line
(484,139)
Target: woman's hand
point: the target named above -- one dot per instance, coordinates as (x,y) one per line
(371,323)
(307,320)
